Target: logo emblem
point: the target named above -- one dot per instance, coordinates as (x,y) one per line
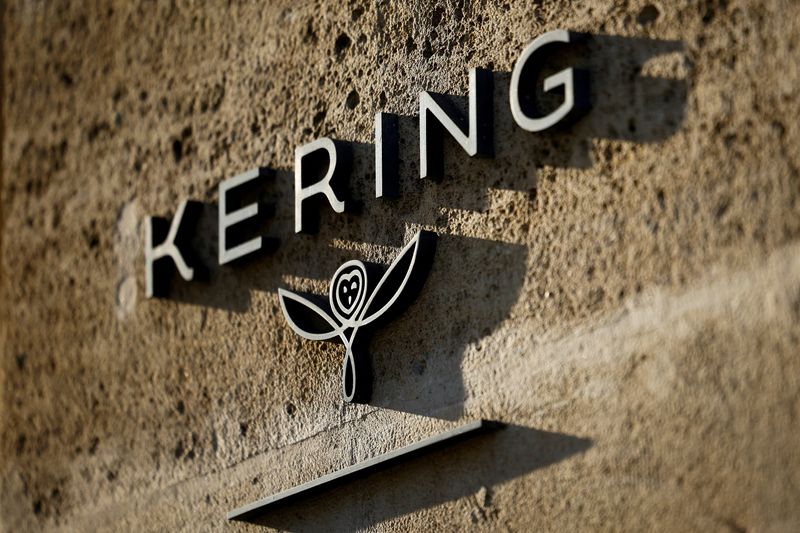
(360,299)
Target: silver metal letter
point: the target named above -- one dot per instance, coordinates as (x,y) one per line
(478,139)
(573,83)
(332,185)
(387,148)
(228,219)
(172,237)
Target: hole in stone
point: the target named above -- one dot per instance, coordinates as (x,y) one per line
(177,150)
(648,15)
(352,100)
(342,43)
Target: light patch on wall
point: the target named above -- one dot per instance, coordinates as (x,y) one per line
(127,244)
(674,66)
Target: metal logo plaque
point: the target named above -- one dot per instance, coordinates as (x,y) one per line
(360,299)
(362,296)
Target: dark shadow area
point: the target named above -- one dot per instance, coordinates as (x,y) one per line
(441,476)
(627,105)
(417,359)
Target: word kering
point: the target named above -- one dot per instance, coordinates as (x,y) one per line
(167,243)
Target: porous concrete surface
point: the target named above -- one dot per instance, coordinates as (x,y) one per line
(624,294)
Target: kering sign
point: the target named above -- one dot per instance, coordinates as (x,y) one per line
(354,308)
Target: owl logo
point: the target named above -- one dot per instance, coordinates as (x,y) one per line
(360,299)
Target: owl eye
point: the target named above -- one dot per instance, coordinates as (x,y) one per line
(345,289)
(353,285)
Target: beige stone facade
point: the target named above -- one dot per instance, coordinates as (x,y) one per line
(624,294)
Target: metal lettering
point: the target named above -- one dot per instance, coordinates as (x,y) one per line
(474,135)
(307,160)
(231,219)
(173,238)
(387,154)
(571,82)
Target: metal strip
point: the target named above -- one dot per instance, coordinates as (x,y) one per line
(364,468)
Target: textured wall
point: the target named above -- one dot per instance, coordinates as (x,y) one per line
(625,294)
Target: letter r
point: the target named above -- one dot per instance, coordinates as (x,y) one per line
(309,161)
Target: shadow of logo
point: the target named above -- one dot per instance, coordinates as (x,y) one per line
(355,309)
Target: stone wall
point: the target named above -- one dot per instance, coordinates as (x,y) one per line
(624,294)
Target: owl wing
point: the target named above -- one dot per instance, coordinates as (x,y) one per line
(402,281)
(307,318)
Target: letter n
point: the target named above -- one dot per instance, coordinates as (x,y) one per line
(474,134)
